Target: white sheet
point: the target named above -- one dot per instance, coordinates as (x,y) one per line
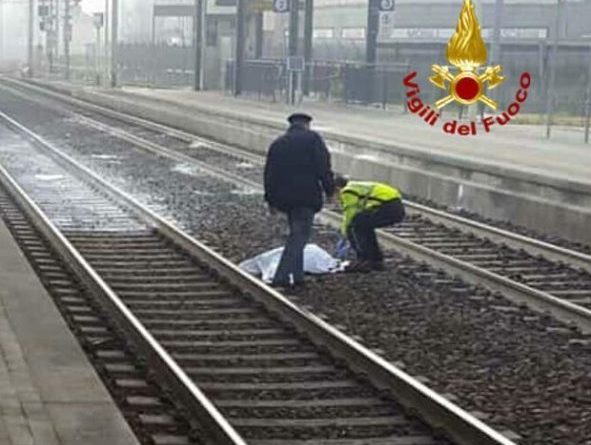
(316,261)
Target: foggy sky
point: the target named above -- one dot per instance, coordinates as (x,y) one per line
(135,21)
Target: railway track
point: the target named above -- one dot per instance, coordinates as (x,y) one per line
(250,365)
(153,417)
(544,276)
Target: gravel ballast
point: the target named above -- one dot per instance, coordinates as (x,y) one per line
(523,371)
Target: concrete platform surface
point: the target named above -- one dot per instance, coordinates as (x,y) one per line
(522,147)
(49,392)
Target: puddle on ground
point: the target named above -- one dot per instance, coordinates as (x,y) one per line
(367,157)
(42,177)
(245,164)
(246,192)
(197,144)
(187,169)
(108,159)
(103,156)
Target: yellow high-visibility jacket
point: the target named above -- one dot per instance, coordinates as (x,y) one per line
(358,196)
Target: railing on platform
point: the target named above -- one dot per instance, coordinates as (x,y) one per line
(261,77)
(340,81)
(164,65)
(161,65)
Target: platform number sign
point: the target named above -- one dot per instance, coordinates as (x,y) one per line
(386,11)
(386,5)
(280,6)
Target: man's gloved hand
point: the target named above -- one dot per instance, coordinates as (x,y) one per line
(342,248)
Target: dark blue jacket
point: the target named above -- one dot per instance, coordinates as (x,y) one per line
(298,171)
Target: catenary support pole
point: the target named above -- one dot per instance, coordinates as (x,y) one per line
(371,46)
(473,110)
(294,12)
(153,27)
(107,46)
(49,37)
(204,44)
(240,44)
(308,44)
(56,30)
(198,43)
(1,30)
(258,40)
(495,53)
(67,37)
(114,42)
(97,58)
(371,37)
(31,36)
(588,99)
(553,62)
(495,48)
(293,27)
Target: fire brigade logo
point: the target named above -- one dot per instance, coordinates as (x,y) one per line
(466,81)
(467,52)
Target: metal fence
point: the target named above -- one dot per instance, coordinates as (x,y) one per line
(354,82)
(162,65)
(572,73)
(340,81)
(260,77)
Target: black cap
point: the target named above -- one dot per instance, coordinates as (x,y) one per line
(299,117)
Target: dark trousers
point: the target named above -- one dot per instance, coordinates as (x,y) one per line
(362,231)
(291,266)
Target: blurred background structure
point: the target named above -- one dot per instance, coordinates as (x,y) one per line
(352,51)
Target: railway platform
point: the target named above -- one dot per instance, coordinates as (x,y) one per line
(522,147)
(49,393)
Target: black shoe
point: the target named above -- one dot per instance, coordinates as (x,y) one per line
(288,287)
(378,266)
(296,289)
(362,266)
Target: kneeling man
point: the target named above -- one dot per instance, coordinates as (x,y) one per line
(366,207)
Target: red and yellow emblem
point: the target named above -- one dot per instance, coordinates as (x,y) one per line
(467,52)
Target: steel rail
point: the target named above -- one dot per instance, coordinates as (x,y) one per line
(148,347)
(128,118)
(437,411)
(530,245)
(519,293)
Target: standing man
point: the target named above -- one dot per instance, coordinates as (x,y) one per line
(297,174)
(366,207)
